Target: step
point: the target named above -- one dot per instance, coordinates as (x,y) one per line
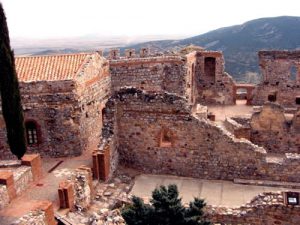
(267,183)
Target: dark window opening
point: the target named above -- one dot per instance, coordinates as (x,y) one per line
(272,97)
(31,133)
(166,138)
(210,66)
(298,100)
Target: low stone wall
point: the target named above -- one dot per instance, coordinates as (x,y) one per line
(4,197)
(239,130)
(13,182)
(22,177)
(35,217)
(16,175)
(43,214)
(77,191)
(266,208)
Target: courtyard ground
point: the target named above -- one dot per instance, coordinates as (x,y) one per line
(45,189)
(222,112)
(215,192)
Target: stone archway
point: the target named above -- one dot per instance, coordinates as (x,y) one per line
(249,92)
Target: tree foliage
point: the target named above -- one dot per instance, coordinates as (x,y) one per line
(10,93)
(165,209)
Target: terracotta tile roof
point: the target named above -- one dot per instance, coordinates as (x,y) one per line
(52,67)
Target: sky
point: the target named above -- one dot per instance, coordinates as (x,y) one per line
(74,18)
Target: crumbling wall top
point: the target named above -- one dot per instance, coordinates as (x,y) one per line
(277,54)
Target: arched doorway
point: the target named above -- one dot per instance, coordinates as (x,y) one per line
(242,94)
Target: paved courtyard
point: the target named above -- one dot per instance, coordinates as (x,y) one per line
(240,109)
(218,193)
(44,189)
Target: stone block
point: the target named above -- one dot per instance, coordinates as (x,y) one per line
(243,133)
(7,179)
(66,195)
(35,162)
(89,176)
(101,164)
(47,207)
(211,117)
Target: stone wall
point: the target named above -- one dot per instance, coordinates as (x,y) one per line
(271,129)
(15,176)
(157,134)
(4,197)
(22,177)
(50,105)
(156,74)
(93,89)
(280,71)
(207,83)
(66,113)
(83,188)
(42,214)
(266,208)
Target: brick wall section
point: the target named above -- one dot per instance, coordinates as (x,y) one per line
(198,148)
(156,74)
(207,85)
(276,70)
(266,208)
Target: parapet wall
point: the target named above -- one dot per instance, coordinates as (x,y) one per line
(129,53)
(266,208)
(153,74)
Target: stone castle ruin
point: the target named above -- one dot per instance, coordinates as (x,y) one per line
(154,114)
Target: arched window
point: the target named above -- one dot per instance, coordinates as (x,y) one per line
(31,133)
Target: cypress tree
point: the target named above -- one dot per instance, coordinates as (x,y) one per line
(10,93)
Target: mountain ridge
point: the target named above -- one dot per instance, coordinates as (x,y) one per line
(240,43)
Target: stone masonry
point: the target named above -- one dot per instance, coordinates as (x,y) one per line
(207,83)
(281,77)
(156,133)
(62,99)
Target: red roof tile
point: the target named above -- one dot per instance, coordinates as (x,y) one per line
(52,67)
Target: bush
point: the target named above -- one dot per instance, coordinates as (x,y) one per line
(165,209)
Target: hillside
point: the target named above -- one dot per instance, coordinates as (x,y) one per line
(240,43)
